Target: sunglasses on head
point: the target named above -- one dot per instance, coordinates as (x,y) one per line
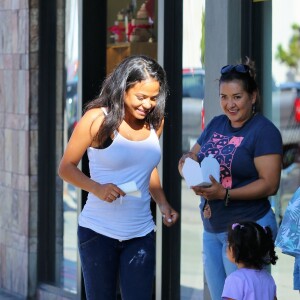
(238,68)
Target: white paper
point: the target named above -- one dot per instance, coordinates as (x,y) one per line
(195,175)
(130,188)
(210,166)
(192,172)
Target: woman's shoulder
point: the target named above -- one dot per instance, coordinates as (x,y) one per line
(259,118)
(92,119)
(160,128)
(216,122)
(94,115)
(261,121)
(218,119)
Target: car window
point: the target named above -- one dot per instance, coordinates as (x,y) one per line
(193,85)
(193,81)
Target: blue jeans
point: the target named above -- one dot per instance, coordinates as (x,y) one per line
(216,264)
(106,262)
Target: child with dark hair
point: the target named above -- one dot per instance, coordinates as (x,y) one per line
(251,248)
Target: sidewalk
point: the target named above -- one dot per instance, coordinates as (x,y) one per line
(192,282)
(4,296)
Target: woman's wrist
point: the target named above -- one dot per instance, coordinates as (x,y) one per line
(192,155)
(94,187)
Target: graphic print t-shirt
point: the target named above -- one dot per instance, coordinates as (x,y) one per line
(235,150)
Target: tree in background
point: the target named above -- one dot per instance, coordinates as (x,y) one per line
(202,42)
(291,56)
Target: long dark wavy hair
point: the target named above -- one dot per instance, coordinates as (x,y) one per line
(252,244)
(129,72)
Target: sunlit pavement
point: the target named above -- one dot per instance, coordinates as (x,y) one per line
(192,281)
(4,296)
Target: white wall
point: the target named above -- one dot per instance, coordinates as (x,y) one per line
(192,14)
(284,14)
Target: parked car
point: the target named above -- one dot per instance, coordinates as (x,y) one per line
(289,122)
(289,107)
(193,83)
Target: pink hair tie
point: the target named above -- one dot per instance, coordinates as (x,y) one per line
(235,225)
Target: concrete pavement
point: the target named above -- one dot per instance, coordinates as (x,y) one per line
(192,282)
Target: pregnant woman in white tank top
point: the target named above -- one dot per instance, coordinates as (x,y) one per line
(120,131)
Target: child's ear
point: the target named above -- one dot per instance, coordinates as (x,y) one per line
(230,253)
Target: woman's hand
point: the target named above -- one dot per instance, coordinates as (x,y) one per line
(192,154)
(213,192)
(107,192)
(170,216)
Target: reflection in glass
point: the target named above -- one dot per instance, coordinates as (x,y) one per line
(70,193)
(193,83)
(193,80)
(286,91)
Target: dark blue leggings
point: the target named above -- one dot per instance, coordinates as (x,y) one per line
(103,259)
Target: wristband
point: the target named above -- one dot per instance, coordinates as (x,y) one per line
(227,197)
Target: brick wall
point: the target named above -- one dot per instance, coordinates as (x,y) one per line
(18,144)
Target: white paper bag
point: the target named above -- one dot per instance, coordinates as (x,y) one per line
(195,175)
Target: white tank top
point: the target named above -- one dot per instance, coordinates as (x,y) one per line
(123,161)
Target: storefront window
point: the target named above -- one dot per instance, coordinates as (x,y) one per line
(286,94)
(131,29)
(71,195)
(285,111)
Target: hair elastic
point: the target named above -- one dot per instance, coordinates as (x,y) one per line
(235,225)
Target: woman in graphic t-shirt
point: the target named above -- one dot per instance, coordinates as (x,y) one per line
(248,148)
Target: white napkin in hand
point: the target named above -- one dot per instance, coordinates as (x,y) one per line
(130,188)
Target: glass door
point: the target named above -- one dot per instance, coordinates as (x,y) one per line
(193,80)
(71,114)
(286,112)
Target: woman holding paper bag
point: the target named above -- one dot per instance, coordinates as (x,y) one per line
(248,148)
(120,131)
